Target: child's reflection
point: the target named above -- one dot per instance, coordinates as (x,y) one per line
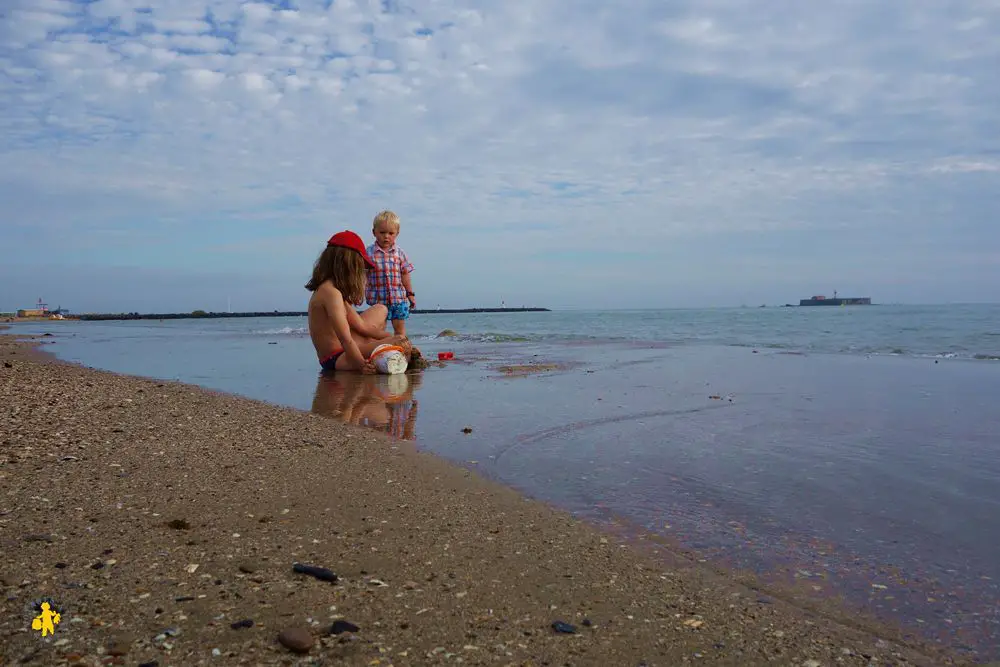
(382,402)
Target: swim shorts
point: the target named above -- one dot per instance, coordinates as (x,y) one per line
(330,362)
(399,311)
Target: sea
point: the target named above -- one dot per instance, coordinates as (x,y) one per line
(848,454)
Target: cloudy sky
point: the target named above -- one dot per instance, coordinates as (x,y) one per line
(172,154)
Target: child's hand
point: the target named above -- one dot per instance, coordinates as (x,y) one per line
(369,368)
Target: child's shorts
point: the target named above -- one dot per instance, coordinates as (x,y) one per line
(399,311)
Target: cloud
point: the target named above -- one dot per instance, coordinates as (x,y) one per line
(194,135)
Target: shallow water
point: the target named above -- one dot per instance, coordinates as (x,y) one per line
(871,477)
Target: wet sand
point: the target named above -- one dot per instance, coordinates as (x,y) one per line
(156,515)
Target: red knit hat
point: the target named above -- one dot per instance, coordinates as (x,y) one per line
(348,239)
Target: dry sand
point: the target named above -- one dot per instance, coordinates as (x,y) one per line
(156,515)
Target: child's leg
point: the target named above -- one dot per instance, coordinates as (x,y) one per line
(398,313)
(377,315)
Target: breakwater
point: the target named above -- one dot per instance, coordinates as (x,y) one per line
(200,314)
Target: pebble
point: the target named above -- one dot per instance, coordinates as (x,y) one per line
(340,626)
(245,623)
(562,626)
(811,663)
(297,639)
(119,644)
(320,573)
(248,567)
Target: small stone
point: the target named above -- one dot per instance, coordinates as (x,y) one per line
(216,652)
(340,626)
(297,639)
(320,573)
(811,663)
(563,627)
(178,524)
(245,623)
(119,644)
(248,567)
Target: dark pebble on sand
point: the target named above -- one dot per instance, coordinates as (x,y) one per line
(7,364)
(184,598)
(245,623)
(320,573)
(563,627)
(61,566)
(151,663)
(340,626)
(38,537)
(178,524)
(97,566)
(587,623)
(296,639)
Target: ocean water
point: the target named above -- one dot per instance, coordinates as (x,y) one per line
(849,452)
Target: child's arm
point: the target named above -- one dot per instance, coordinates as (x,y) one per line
(339,310)
(409,290)
(405,269)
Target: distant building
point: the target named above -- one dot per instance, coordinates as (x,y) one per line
(32,312)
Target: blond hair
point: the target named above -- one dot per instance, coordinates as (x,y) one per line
(386,218)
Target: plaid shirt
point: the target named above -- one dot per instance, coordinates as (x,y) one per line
(385,283)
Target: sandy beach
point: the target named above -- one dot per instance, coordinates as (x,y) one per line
(163,521)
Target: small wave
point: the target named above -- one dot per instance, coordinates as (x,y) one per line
(283,331)
(486,337)
(987,357)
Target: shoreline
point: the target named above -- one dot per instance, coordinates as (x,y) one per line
(460,555)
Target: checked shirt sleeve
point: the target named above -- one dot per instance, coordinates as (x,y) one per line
(405,266)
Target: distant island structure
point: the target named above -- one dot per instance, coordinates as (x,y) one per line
(836,301)
(276,313)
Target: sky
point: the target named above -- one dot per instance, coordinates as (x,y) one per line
(172,155)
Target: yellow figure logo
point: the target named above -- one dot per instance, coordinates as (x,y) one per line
(46,621)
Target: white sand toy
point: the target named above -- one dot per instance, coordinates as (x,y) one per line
(389,359)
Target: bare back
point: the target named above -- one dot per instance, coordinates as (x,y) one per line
(324,339)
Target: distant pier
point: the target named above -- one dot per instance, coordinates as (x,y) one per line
(837,301)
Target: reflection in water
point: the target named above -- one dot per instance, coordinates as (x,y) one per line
(382,402)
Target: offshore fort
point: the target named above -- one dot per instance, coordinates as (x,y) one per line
(276,313)
(836,301)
